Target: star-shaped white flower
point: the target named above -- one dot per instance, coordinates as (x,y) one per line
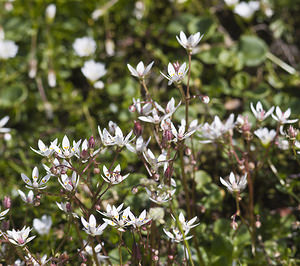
(29,198)
(19,237)
(91,227)
(113,177)
(189,43)
(265,135)
(140,71)
(259,112)
(69,183)
(235,183)
(67,151)
(282,117)
(45,150)
(35,183)
(176,73)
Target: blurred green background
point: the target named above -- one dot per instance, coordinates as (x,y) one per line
(239,61)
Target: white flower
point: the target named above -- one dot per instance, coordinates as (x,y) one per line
(43,225)
(50,12)
(8,49)
(162,193)
(176,73)
(231,3)
(216,129)
(19,237)
(119,139)
(33,262)
(84,46)
(142,110)
(113,177)
(140,145)
(246,10)
(170,108)
(186,225)
(51,78)
(120,222)
(69,183)
(282,117)
(35,176)
(91,226)
(111,210)
(57,167)
(93,71)
(153,118)
(259,112)
(189,43)
(3,122)
(3,213)
(235,183)
(181,134)
(66,207)
(44,150)
(89,250)
(156,162)
(282,144)
(67,151)
(29,198)
(139,221)
(265,135)
(140,70)
(176,235)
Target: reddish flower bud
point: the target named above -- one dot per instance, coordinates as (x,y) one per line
(7,202)
(137,129)
(132,108)
(84,154)
(96,170)
(156,177)
(169,171)
(91,142)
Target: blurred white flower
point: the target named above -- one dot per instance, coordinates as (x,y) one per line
(84,46)
(176,73)
(216,129)
(3,122)
(43,225)
(155,163)
(138,221)
(246,10)
(51,78)
(113,177)
(91,228)
(282,144)
(19,237)
(35,177)
(109,47)
(189,43)
(66,207)
(140,145)
(89,250)
(259,112)
(93,71)
(139,9)
(140,108)
(29,198)
(7,137)
(235,183)
(231,3)
(140,70)
(50,12)
(162,193)
(282,117)
(8,49)
(265,135)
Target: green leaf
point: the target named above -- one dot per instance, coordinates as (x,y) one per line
(254,50)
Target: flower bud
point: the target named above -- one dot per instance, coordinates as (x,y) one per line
(50,12)
(171,257)
(134,190)
(257,224)
(188,151)
(91,142)
(169,171)
(132,108)
(96,171)
(84,154)
(234,225)
(167,135)
(68,207)
(205,99)
(7,202)
(138,129)
(155,258)
(156,177)
(51,78)
(292,132)
(97,207)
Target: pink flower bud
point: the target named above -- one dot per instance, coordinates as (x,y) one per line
(132,108)
(205,99)
(138,129)
(96,170)
(91,142)
(134,190)
(7,202)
